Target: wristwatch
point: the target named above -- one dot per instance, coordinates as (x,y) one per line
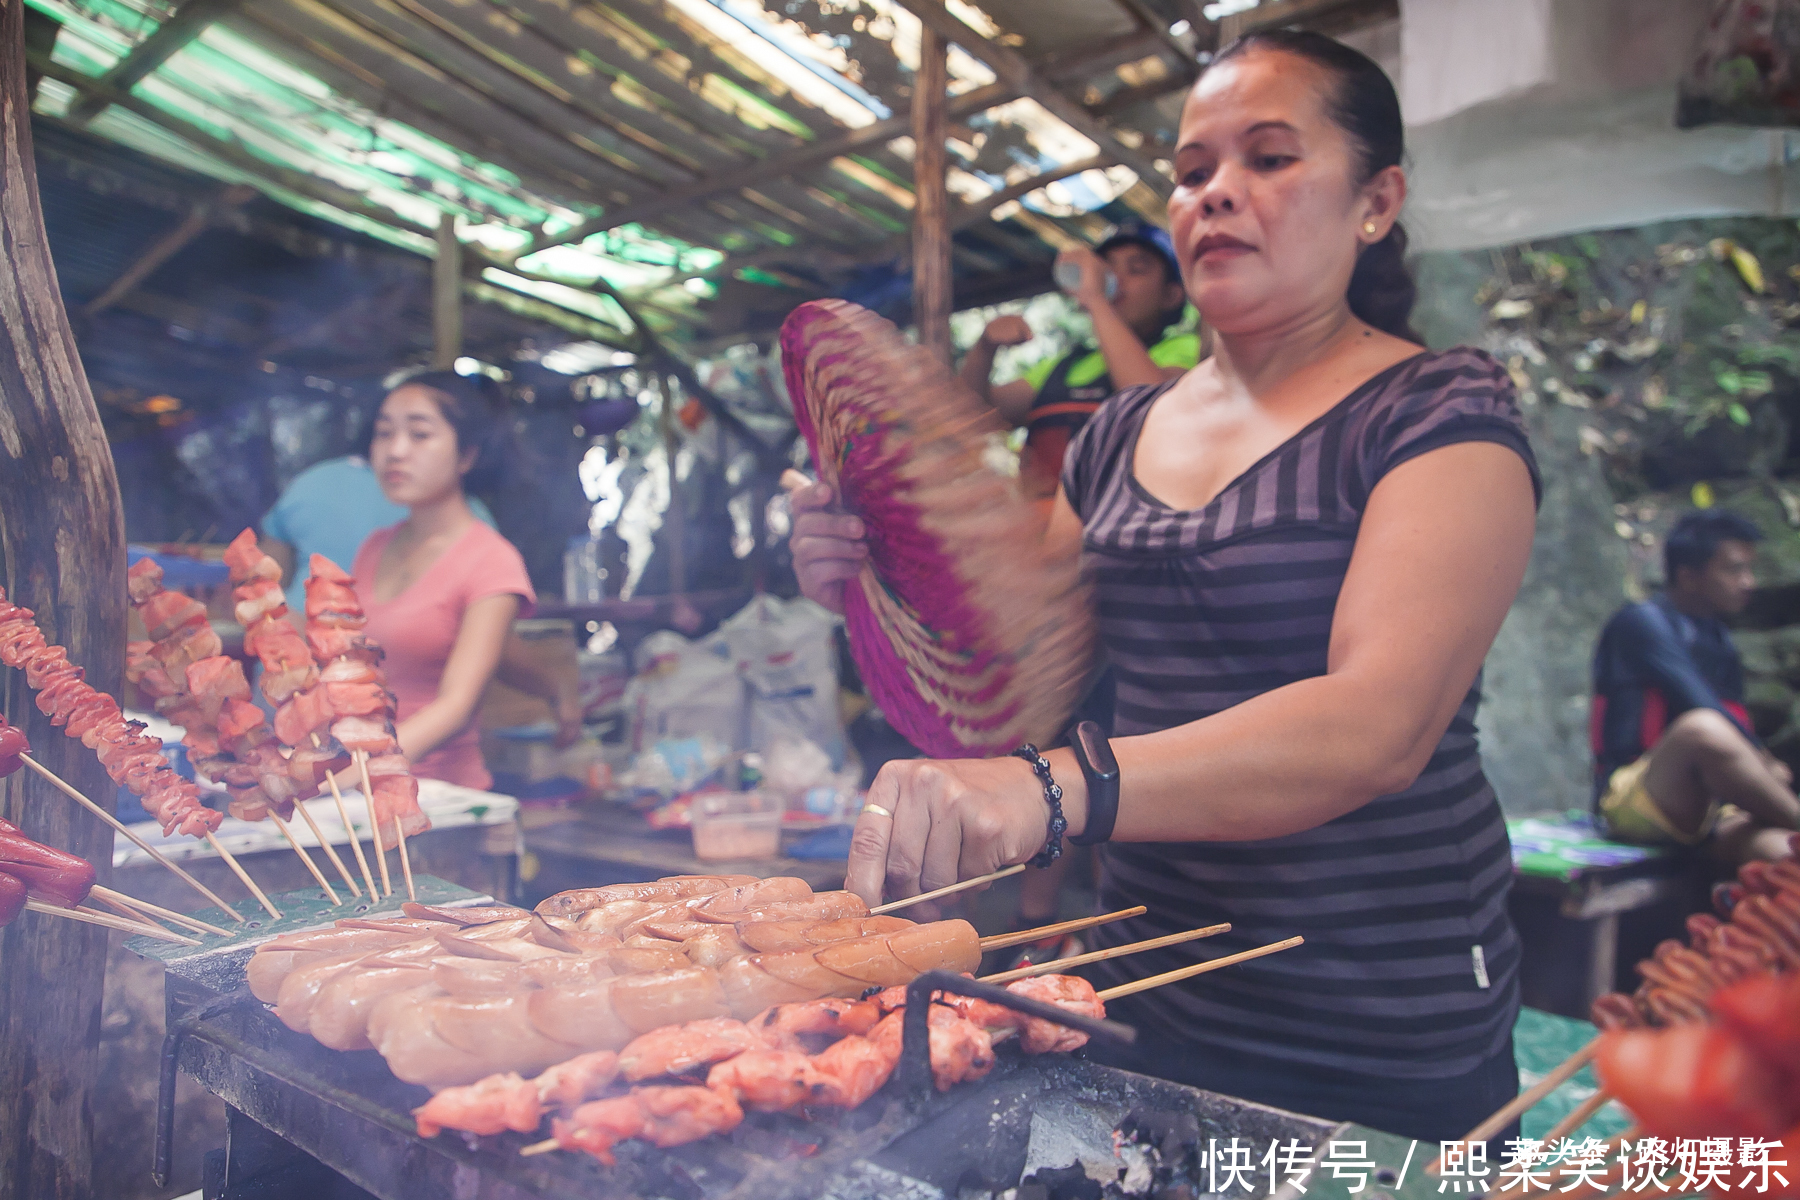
(1101,770)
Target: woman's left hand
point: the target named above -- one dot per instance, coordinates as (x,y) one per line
(952,819)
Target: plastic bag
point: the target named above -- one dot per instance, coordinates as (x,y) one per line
(785,655)
(685,689)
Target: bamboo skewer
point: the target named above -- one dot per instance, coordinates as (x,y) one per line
(362,765)
(120,827)
(1577,1117)
(1524,1100)
(94,918)
(1001,941)
(355,842)
(237,869)
(124,910)
(342,870)
(304,856)
(156,910)
(1144,985)
(894,905)
(1094,956)
(405,860)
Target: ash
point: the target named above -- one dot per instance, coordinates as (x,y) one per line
(1156,1153)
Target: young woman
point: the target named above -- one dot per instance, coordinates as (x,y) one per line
(441,588)
(1301,551)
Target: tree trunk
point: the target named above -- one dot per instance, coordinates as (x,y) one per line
(61,553)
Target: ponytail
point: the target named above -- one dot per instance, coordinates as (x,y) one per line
(1382,291)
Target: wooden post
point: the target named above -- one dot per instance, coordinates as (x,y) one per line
(446,296)
(931,203)
(62,553)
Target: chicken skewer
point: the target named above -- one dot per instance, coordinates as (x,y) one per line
(288,666)
(131,757)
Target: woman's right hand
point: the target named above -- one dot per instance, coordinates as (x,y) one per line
(827,545)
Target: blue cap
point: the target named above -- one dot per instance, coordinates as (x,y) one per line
(1150,237)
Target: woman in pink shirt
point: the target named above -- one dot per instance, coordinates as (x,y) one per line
(441,588)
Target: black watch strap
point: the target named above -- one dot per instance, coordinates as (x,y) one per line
(1101,770)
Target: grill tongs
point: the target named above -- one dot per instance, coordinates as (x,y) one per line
(915,1047)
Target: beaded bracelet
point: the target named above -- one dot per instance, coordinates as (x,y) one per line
(1053,794)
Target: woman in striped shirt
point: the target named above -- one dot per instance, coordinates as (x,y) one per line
(1301,551)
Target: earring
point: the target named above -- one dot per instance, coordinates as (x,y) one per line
(1369,228)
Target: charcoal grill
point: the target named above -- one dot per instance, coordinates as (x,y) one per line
(294,1104)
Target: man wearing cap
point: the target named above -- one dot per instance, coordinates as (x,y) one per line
(1131,347)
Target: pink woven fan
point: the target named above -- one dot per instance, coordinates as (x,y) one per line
(968,634)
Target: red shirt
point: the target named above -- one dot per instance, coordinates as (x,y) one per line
(418,629)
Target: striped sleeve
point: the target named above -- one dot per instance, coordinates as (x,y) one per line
(1101,445)
(1461,395)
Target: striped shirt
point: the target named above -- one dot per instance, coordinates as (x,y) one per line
(1410,964)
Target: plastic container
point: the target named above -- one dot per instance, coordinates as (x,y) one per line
(733,826)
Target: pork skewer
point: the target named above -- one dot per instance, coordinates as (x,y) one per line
(361,706)
(287,662)
(183,639)
(131,757)
(120,827)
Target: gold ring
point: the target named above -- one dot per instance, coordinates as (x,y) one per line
(878,811)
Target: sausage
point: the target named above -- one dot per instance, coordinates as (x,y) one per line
(50,875)
(807,969)
(749,989)
(482,915)
(581,1016)
(715,946)
(12,898)
(499,1027)
(823,906)
(646,1002)
(770,936)
(756,894)
(339,1015)
(674,887)
(294,999)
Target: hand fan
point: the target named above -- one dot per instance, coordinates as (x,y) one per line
(969,635)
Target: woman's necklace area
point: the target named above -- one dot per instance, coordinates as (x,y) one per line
(408,559)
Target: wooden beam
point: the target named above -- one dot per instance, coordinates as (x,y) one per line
(1014,71)
(961,216)
(1147,18)
(931,196)
(762,170)
(166,247)
(188,23)
(230,153)
(446,296)
(62,553)
(968,104)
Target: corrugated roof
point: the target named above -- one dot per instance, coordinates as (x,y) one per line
(688,155)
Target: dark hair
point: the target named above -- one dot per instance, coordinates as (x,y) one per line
(1698,535)
(1364,105)
(475,406)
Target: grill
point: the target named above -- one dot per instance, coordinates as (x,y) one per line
(1037,1127)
